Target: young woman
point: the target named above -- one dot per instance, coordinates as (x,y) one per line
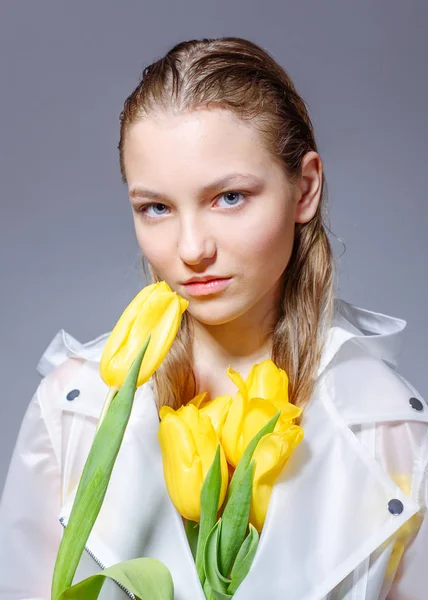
(227,193)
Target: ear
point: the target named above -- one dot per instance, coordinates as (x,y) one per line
(309,187)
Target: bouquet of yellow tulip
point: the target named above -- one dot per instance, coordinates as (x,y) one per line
(246,440)
(220,455)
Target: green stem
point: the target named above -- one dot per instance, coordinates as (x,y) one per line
(192,532)
(110,395)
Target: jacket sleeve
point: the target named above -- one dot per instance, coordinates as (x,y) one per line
(407,450)
(411,579)
(30,532)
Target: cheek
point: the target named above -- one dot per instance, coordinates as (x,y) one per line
(155,247)
(267,244)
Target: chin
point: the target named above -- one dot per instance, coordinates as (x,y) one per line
(212,313)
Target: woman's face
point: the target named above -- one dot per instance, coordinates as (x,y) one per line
(208,200)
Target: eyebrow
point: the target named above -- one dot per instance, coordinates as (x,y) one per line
(139,192)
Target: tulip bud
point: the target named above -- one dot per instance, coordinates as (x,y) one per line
(188,443)
(155,310)
(266,380)
(248,413)
(270,456)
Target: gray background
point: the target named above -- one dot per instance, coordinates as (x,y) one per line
(69,258)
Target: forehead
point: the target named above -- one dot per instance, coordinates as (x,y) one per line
(203,142)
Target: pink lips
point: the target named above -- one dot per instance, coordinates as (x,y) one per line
(203,288)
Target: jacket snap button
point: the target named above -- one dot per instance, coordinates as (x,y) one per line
(395,506)
(73,394)
(416,404)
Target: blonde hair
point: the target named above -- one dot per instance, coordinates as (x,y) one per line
(238,75)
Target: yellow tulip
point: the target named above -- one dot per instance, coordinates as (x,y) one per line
(155,310)
(270,456)
(188,443)
(258,399)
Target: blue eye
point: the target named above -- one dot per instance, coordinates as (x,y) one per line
(232,201)
(154,210)
(145,208)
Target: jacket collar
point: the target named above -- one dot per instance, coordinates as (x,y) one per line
(379,333)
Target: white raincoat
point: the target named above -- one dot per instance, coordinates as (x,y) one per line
(346,518)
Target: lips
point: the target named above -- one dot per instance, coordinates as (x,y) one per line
(195,280)
(208,286)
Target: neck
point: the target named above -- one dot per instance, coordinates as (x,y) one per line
(240,343)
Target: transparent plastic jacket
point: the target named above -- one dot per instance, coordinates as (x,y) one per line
(347,517)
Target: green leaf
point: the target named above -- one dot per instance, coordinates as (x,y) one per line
(192,531)
(247,455)
(220,595)
(214,577)
(244,559)
(210,494)
(210,594)
(146,578)
(95,479)
(208,591)
(235,520)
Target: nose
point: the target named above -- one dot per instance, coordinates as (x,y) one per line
(195,244)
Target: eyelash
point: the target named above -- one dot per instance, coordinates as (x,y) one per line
(144,207)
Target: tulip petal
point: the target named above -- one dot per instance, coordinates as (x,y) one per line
(204,436)
(161,318)
(165,410)
(217,411)
(270,455)
(266,380)
(290,412)
(176,440)
(237,475)
(197,400)
(238,381)
(231,433)
(181,464)
(259,411)
(129,315)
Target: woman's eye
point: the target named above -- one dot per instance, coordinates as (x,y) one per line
(157,209)
(232,198)
(156,206)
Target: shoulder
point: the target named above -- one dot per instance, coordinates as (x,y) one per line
(64,363)
(365,389)
(58,378)
(384,410)
(362,372)
(64,346)
(71,377)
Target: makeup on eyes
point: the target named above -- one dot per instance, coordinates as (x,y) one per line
(143,208)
